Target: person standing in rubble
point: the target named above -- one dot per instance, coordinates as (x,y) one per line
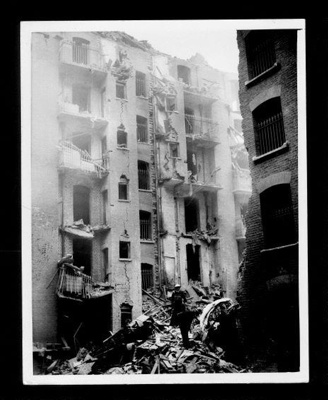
(178,301)
(185,319)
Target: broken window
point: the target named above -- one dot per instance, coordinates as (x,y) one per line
(81,204)
(124,250)
(277,216)
(189,120)
(193,263)
(120,90)
(82,254)
(81,97)
(145,225)
(142,130)
(105,263)
(192,161)
(184,74)
(105,205)
(80,50)
(143,175)
(174,150)
(191,214)
(123,188)
(122,139)
(126,314)
(147,276)
(171,104)
(269,126)
(140,84)
(260,52)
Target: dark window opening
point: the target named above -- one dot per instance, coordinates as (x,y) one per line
(143,175)
(82,141)
(147,276)
(123,188)
(191,214)
(105,263)
(120,90)
(81,97)
(193,264)
(184,74)
(189,120)
(81,204)
(174,150)
(171,103)
(145,225)
(80,50)
(82,254)
(124,249)
(105,205)
(140,84)
(192,161)
(122,139)
(269,126)
(260,52)
(142,130)
(277,216)
(126,314)
(104,145)
(103,102)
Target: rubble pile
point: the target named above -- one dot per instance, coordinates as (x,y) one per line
(150,345)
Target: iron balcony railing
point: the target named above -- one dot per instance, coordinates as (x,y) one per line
(270,134)
(73,283)
(73,157)
(201,127)
(81,54)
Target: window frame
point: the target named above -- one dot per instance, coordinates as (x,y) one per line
(141,84)
(128,244)
(122,85)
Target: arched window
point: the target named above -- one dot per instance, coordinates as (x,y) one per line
(143,175)
(123,186)
(277,216)
(145,225)
(269,126)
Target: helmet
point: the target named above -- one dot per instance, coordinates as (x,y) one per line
(177,285)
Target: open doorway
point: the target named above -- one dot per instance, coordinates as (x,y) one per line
(193,262)
(82,251)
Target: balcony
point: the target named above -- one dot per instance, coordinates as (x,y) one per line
(202,132)
(194,95)
(242,185)
(75,285)
(82,59)
(87,120)
(203,185)
(73,158)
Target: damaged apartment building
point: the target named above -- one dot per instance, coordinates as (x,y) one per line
(139,179)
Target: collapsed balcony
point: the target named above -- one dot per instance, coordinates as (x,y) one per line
(69,112)
(71,157)
(203,132)
(77,56)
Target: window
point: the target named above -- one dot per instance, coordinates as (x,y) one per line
(143,175)
(122,139)
(105,159)
(145,225)
(189,120)
(147,276)
(82,254)
(140,84)
(120,90)
(193,262)
(104,206)
(277,216)
(80,50)
(125,250)
(142,130)
(174,150)
(269,126)
(191,214)
(123,188)
(126,314)
(192,161)
(81,97)
(81,204)
(105,263)
(184,74)
(103,102)
(171,103)
(260,52)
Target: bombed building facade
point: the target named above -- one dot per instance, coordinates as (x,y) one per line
(139,177)
(269,283)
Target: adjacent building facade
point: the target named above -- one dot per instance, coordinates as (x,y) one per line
(138,171)
(269,276)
